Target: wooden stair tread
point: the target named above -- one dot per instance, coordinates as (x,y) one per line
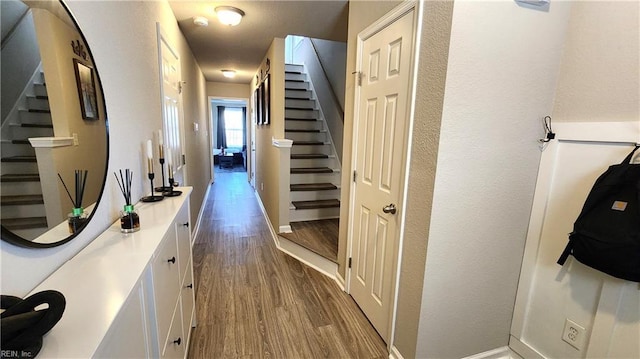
(308,143)
(294,72)
(21,199)
(301,119)
(290,80)
(22,177)
(311,170)
(290,89)
(36,110)
(324,203)
(24,223)
(19,159)
(301,130)
(20,142)
(308,156)
(313,187)
(299,108)
(36,125)
(298,98)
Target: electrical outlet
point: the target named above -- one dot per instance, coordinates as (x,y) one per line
(573,334)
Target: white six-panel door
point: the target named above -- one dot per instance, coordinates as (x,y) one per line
(382,122)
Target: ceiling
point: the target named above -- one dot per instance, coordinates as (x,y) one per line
(242,48)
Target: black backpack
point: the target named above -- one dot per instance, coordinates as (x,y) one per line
(606,235)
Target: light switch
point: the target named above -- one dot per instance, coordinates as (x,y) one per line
(196,127)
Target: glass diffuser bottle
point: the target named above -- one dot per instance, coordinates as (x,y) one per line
(129,220)
(76,220)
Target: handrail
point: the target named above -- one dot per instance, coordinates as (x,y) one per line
(333,93)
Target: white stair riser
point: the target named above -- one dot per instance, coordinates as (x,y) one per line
(315,162)
(37,103)
(10,150)
(19,167)
(39,90)
(295,77)
(325,149)
(30,233)
(314,195)
(26,210)
(300,103)
(306,136)
(303,125)
(298,94)
(296,85)
(27,132)
(292,113)
(35,117)
(297,215)
(23,188)
(315,177)
(293,67)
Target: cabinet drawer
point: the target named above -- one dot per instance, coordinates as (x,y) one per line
(175,345)
(166,284)
(183,235)
(188,303)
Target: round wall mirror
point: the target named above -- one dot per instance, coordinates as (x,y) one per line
(54,126)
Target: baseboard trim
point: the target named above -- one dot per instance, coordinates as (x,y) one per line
(523,350)
(394,353)
(341,282)
(323,265)
(285,229)
(498,353)
(196,228)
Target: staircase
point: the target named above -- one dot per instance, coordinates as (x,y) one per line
(315,168)
(23,210)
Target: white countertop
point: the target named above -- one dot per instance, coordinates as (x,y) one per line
(97,281)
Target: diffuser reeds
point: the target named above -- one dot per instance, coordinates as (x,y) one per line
(129,219)
(77,218)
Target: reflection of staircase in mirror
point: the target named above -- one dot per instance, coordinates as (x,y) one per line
(23,210)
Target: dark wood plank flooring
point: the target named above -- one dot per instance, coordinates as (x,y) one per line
(320,236)
(252,301)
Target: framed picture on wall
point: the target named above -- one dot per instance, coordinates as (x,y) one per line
(266,111)
(257,108)
(86,90)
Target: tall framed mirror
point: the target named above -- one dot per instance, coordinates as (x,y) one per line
(54,125)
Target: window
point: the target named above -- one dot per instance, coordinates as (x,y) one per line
(234,127)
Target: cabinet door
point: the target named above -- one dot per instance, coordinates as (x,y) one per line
(166,284)
(183,235)
(127,337)
(175,345)
(188,303)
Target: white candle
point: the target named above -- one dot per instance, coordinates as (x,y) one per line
(169,163)
(149,150)
(160,138)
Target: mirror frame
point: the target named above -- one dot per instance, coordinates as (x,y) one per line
(12,238)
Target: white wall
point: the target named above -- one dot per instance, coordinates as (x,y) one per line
(126,59)
(501,76)
(599,82)
(333,56)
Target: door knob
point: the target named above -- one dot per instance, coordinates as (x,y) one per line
(389,209)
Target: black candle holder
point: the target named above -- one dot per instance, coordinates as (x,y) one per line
(163,188)
(152,198)
(171,192)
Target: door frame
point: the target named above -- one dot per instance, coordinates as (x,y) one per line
(386,20)
(211,129)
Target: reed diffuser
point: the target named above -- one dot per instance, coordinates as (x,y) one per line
(129,218)
(77,219)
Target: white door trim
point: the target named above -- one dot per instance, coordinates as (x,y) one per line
(395,14)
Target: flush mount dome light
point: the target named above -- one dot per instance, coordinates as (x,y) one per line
(229,73)
(201,21)
(229,15)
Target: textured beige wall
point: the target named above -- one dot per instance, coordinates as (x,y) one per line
(599,78)
(228,90)
(268,157)
(432,68)
(362,13)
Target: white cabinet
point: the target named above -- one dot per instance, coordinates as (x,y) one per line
(129,295)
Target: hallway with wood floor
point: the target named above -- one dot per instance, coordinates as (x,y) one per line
(253,301)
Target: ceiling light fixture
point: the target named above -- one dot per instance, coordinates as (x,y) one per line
(229,74)
(229,15)
(200,21)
